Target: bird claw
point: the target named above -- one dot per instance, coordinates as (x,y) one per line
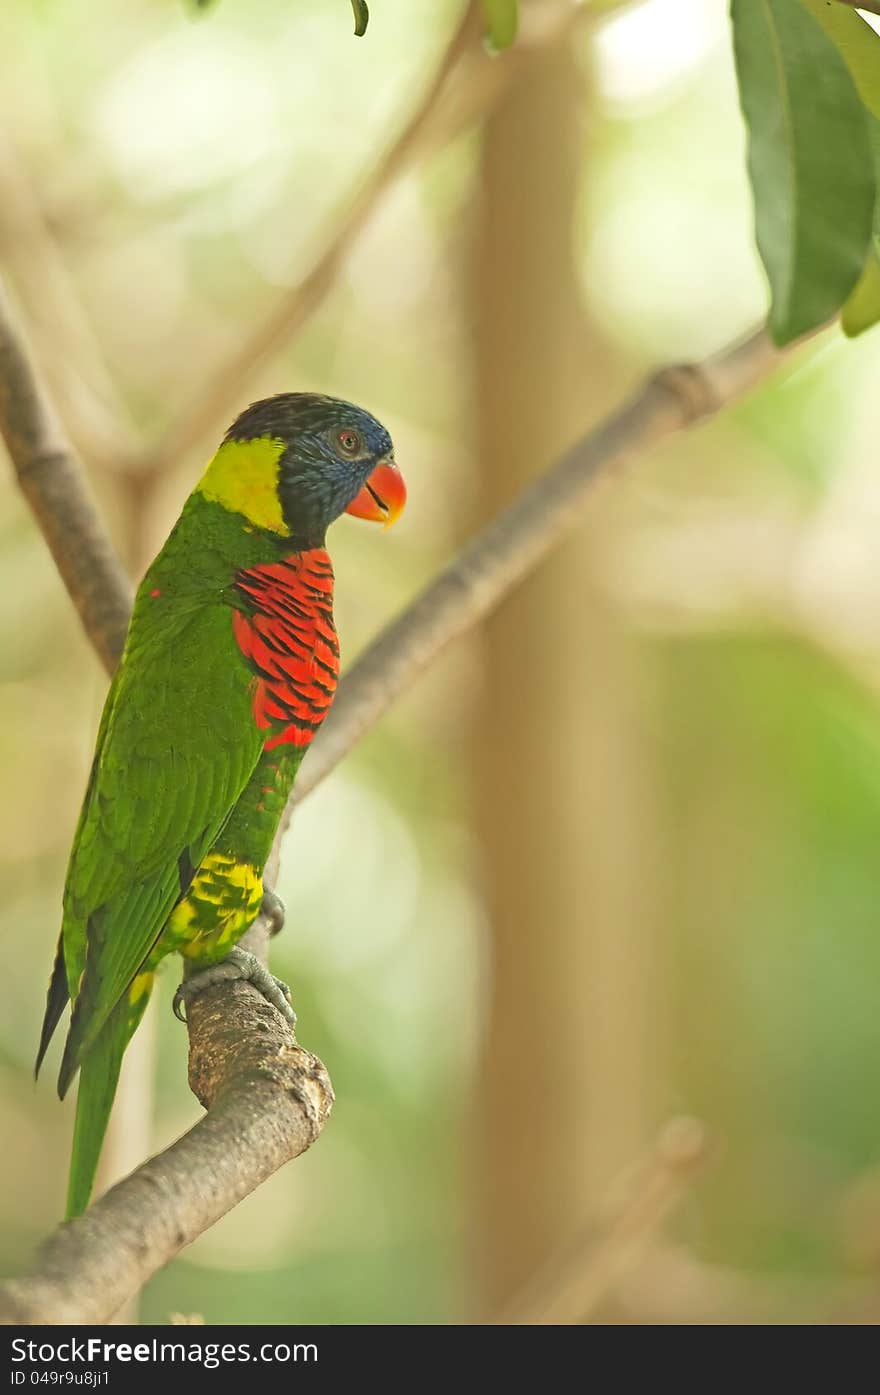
(272,908)
(238,964)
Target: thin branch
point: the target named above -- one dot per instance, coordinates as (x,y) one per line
(479,85)
(466,84)
(84,388)
(297,305)
(518,538)
(573,1283)
(53,482)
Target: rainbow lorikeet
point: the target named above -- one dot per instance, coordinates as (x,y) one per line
(229,667)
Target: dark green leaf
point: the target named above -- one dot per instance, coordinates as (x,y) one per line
(860,47)
(502,18)
(810,161)
(857,42)
(862,309)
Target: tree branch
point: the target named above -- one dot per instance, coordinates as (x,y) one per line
(53,482)
(73,361)
(297,305)
(465,83)
(267,1100)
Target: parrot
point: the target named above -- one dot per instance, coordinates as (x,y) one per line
(229,666)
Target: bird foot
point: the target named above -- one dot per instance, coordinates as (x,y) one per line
(272,908)
(239,963)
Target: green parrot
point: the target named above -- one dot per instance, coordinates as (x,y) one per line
(229,667)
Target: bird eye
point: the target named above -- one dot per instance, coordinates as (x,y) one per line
(350,442)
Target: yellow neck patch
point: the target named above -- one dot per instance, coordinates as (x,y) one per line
(243,477)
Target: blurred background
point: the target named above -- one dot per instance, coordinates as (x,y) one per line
(615,858)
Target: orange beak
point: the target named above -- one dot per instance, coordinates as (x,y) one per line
(382,497)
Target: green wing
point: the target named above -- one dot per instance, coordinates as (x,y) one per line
(177,746)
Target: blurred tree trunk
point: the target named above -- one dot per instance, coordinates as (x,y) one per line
(564,1093)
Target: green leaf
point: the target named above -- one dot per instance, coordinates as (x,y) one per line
(502,19)
(361,17)
(858,44)
(862,309)
(874,137)
(860,47)
(809,159)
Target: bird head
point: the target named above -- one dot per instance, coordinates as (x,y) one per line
(291,464)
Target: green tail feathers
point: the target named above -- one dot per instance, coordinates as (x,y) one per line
(57,999)
(98,1077)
